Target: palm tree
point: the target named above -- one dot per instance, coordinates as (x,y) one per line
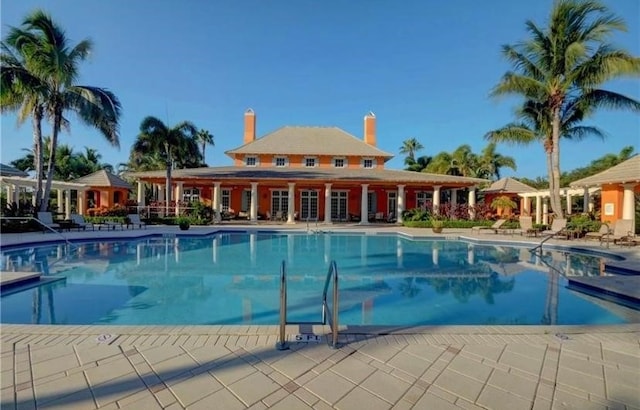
(204,137)
(170,144)
(418,164)
(23,92)
(565,64)
(53,64)
(410,147)
(490,162)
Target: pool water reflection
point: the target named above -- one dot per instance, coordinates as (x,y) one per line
(233,278)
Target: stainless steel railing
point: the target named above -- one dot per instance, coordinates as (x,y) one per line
(332,274)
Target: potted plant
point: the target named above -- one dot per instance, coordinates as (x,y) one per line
(437,225)
(503,205)
(183,222)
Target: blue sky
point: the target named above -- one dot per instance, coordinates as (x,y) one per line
(425,68)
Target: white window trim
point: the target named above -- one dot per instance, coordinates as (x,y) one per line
(275,161)
(373,162)
(257,160)
(345,162)
(315,162)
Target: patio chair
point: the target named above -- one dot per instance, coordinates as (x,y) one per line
(622,229)
(493,227)
(133,220)
(46,220)
(526,227)
(379,216)
(604,230)
(558,228)
(79,222)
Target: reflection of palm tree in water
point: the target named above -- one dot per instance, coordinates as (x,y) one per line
(550,316)
(408,287)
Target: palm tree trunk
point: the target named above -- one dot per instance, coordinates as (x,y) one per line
(556,203)
(37,154)
(204,144)
(52,160)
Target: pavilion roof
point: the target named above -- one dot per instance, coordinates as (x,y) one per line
(624,172)
(509,185)
(103,178)
(9,171)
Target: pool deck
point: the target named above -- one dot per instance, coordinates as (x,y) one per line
(229,367)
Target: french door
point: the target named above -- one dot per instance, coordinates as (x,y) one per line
(308,205)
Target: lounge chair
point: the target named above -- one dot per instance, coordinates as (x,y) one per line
(133,220)
(493,227)
(558,228)
(46,220)
(622,230)
(603,231)
(526,227)
(79,222)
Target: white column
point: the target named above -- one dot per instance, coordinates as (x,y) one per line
(327,203)
(585,195)
(538,209)
(67,204)
(400,204)
(254,202)
(140,194)
(81,195)
(178,198)
(527,205)
(628,203)
(436,199)
(9,194)
(291,204)
(253,248)
(161,197)
(216,197)
(591,205)
(60,200)
(569,203)
(364,205)
(435,254)
(454,200)
(545,212)
(472,202)
(471,254)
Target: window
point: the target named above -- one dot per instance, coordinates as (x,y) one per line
(367,163)
(338,162)
(310,162)
(281,162)
(251,161)
(225,201)
(191,195)
(423,199)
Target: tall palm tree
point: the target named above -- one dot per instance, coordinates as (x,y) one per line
(491,162)
(53,62)
(567,62)
(410,147)
(204,137)
(23,92)
(418,164)
(171,144)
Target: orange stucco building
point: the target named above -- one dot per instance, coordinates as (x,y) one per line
(306,173)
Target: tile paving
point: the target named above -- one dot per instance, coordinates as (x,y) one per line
(229,367)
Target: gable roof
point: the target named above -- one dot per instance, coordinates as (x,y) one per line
(509,185)
(103,178)
(310,141)
(8,171)
(627,171)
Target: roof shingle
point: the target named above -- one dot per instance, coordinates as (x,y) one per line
(103,178)
(627,171)
(310,141)
(509,185)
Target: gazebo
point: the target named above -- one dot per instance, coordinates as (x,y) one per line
(509,187)
(105,189)
(619,186)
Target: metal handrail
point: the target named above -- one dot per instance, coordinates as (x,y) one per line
(42,224)
(331,274)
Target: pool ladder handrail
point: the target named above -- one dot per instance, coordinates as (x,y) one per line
(332,274)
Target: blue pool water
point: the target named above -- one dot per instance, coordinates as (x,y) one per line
(233,278)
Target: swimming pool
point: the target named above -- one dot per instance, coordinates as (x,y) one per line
(233,278)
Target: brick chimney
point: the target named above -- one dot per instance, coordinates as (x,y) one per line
(370,129)
(249,126)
